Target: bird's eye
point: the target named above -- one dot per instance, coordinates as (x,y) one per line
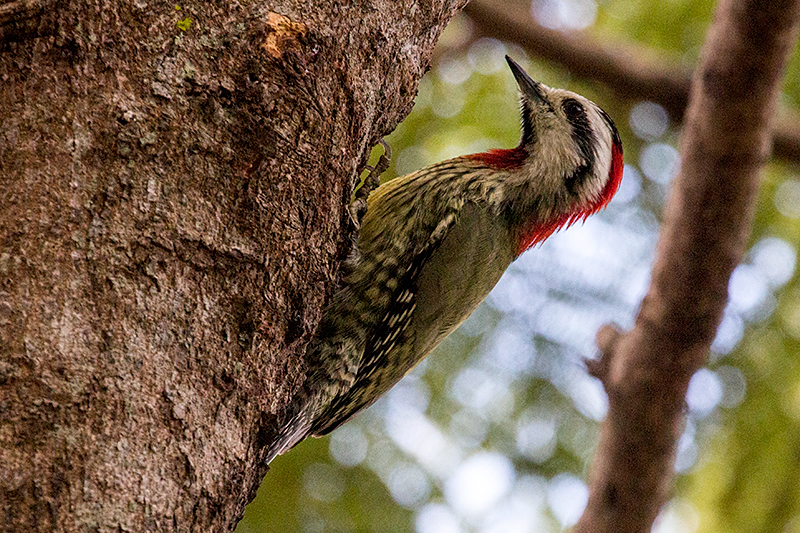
(572,108)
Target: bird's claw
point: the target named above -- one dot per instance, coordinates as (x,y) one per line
(359,204)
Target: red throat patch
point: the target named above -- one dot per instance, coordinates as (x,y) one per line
(541,230)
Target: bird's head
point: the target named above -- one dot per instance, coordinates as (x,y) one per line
(570,151)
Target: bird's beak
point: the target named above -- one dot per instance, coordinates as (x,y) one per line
(532,89)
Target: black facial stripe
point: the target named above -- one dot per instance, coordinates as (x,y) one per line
(574,180)
(610,123)
(528,133)
(584,139)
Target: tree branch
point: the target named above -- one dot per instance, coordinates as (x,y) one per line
(631,72)
(707,222)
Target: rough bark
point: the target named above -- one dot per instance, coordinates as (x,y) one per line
(632,72)
(707,221)
(173,183)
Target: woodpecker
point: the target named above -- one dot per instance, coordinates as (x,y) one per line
(433,244)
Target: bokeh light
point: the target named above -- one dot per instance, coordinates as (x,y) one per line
(659,162)
(567,497)
(478,484)
(648,121)
(787,198)
(564,14)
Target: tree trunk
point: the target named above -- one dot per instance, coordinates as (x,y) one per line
(174,183)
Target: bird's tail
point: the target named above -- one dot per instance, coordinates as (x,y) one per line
(287,439)
(295,429)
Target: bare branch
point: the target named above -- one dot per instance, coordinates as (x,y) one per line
(707,221)
(631,72)
(607,339)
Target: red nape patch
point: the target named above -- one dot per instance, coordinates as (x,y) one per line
(505,159)
(540,231)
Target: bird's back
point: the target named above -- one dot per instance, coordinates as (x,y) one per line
(420,299)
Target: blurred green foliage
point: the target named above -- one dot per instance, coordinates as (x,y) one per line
(505,400)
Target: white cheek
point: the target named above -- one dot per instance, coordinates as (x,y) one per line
(602,166)
(554,158)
